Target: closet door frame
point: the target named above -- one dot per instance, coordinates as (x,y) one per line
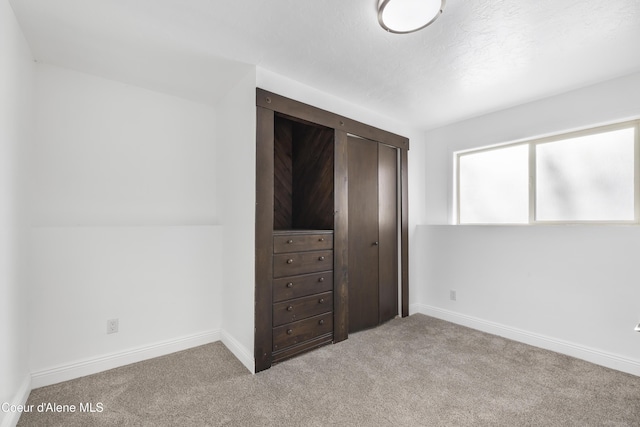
(267,104)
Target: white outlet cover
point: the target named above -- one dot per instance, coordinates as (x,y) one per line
(112,326)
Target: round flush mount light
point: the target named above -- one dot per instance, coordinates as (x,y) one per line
(407,16)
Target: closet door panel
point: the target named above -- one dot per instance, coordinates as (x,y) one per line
(388,231)
(363,234)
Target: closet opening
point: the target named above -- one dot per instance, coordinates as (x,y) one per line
(303,197)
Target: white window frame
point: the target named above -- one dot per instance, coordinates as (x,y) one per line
(533,143)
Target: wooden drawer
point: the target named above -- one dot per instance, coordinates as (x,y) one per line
(297,332)
(301,308)
(302,242)
(294,350)
(301,286)
(302,262)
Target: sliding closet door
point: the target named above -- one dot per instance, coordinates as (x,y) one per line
(373,233)
(363,233)
(388,231)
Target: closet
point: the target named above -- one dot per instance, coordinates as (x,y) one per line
(331,227)
(373,233)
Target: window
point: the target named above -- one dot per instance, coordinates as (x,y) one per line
(587,176)
(495,194)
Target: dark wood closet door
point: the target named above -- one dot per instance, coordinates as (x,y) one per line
(363,233)
(388,231)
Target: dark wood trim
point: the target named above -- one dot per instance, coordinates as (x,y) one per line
(312,114)
(299,120)
(404,229)
(264,238)
(340,242)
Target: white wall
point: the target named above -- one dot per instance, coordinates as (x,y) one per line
(125,219)
(417,215)
(16,81)
(237,189)
(570,288)
(108,153)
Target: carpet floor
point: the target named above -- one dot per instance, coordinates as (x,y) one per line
(416,371)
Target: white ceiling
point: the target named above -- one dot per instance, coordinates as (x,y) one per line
(479,56)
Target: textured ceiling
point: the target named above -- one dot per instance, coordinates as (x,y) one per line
(479,56)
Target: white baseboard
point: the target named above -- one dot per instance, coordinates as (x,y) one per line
(103,363)
(239,351)
(11,418)
(609,360)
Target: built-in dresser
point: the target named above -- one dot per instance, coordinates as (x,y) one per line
(302,291)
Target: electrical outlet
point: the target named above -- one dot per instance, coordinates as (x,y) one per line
(452,295)
(112,326)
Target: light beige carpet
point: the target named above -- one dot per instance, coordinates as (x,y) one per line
(416,371)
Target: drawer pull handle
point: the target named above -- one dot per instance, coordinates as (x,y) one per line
(289,261)
(321,322)
(321,258)
(289,241)
(321,239)
(290,285)
(289,331)
(321,279)
(290,308)
(321,301)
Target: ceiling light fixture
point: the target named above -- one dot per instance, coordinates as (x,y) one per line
(407,16)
